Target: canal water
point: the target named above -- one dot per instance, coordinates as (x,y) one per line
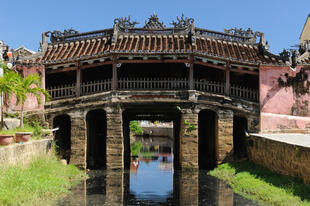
(152,180)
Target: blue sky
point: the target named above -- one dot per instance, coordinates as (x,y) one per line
(22,22)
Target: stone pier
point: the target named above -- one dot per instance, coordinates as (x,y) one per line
(78,139)
(189,140)
(225,138)
(115,140)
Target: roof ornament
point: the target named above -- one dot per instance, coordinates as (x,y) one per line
(246,33)
(56,36)
(285,55)
(183,22)
(125,22)
(154,23)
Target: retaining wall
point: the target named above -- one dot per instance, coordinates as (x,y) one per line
(284,157)
(24,153)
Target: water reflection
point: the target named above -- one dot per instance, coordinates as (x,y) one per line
(152,185)
(152,180)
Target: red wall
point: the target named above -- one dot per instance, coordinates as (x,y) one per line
(284,98)
(31,103)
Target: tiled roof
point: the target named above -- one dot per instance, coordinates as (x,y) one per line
(183,38)
(154,44)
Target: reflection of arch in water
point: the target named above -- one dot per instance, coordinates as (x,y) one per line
(96,139)
(63,136)
(207,126)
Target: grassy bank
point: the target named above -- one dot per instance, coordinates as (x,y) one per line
(41,181)
(259,184)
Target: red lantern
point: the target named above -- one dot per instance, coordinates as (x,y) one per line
(9,54)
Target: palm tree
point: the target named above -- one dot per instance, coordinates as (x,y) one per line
(8,81)
(30,84)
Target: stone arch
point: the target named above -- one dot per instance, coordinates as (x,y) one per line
(63,136)
(207,137)
(96,124)
(240,125)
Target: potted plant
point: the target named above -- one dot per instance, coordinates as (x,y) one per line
(29,85)
(6,139)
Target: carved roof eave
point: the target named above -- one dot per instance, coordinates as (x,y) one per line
(196,53)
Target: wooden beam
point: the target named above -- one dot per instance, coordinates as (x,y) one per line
(191,72)
(114,73)
(67,69)
(227,79)
(210,65)
(95,64)
(78,79)
(152,61)
(243,71)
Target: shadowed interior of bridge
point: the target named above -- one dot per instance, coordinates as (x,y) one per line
(96,139)
(63,136)
(207,123)
(240,126)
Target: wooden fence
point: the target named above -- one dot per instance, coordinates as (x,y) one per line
(164,83)
(93,87)
(137,83)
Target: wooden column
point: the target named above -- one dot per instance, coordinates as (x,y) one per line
(114,72)
(78,79)
(227,79)
(191,72)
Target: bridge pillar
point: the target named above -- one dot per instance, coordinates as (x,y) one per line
(114,188)
(115,140)
(78,139)
(188,188)
(225,140)
(189,140)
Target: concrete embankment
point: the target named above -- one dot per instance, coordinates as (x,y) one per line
(25,152)
(287,154)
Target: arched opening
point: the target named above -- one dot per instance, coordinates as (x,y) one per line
(96,139)
(63,136)
(240,126)
(160,135)
(207,139)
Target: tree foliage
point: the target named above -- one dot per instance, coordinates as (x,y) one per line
(30,84)
(135,128)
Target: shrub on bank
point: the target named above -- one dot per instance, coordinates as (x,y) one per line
(260,184)
(43,180)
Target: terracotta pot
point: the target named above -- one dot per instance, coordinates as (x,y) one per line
(6,139)
(22,136)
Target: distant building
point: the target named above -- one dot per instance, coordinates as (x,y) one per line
(21,52)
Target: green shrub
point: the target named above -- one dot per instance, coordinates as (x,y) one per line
(135,128)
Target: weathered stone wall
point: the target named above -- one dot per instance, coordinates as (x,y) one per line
(78,139)
(115,140)
(281,157)
(24,153)
(189,140)
(225,136)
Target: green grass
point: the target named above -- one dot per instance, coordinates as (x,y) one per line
(259,184)
(43,180)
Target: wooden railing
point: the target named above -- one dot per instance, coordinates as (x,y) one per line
(165,83)
(63,91)
(210,86)
(95,86)
(243,92)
